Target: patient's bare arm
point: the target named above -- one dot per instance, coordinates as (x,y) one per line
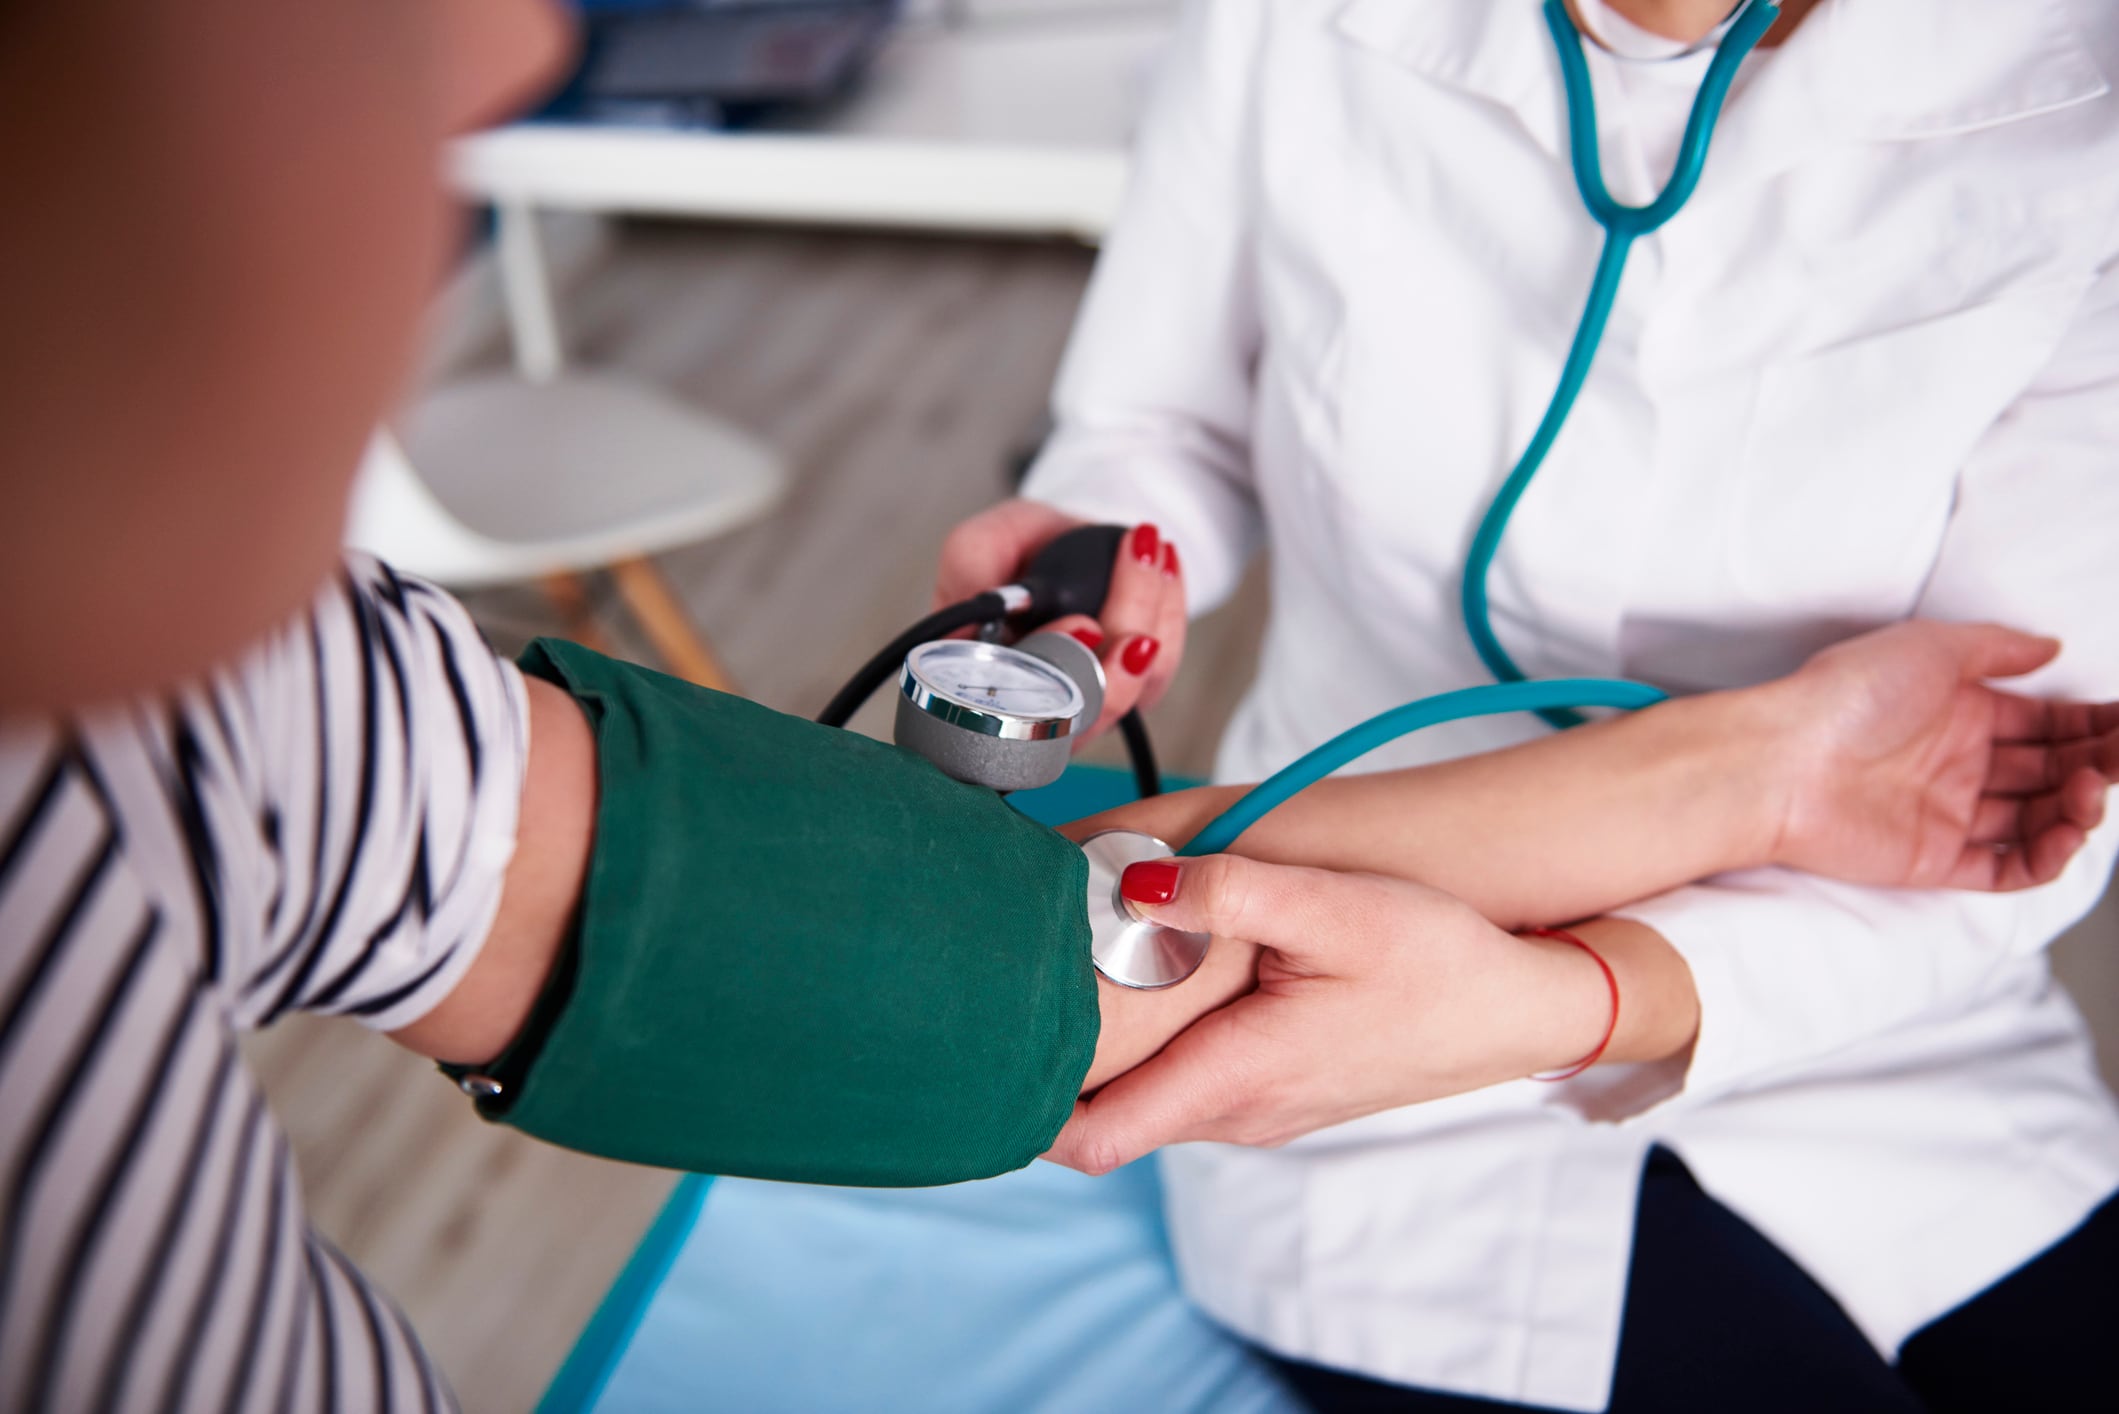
(1137,1024)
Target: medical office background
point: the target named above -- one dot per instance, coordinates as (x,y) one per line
(767,299)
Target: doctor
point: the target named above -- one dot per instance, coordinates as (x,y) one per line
(1871,371)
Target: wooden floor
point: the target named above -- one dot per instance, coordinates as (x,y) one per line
(898,376)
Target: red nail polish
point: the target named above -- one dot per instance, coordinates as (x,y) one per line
(1147,544)
(1170,566)
(1090,636)
(1150,881)
(1139,654)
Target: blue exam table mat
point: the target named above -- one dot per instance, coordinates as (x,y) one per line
(1042,1290)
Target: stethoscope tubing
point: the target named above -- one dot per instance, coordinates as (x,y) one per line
(1622,225)
(1486,700)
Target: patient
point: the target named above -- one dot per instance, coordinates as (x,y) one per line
(242,777)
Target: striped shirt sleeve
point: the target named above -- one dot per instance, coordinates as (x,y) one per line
(325,825)
(393,749)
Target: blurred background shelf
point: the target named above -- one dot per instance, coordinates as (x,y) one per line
(991,118)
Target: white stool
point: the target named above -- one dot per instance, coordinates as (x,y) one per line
(500,480)
(545,475)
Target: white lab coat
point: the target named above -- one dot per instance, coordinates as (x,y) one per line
(1872,371)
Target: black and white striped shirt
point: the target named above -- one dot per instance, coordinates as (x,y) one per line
(323,827)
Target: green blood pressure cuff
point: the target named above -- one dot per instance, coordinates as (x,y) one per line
(801,954)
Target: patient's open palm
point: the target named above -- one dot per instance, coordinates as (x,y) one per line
(1918,773)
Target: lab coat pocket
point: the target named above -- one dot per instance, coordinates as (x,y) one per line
(1849,467)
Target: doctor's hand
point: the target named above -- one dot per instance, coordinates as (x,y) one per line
(1140,636)
(1372,993)
(1907,768)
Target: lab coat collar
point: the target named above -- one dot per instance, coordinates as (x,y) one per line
(1496,49)
(1857,69)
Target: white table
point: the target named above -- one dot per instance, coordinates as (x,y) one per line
(1015,122)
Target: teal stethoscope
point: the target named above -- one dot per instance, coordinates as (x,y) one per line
(1556,699)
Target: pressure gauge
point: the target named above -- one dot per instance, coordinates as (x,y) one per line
(997,716)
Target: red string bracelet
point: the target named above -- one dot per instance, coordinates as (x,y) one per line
(1611,980)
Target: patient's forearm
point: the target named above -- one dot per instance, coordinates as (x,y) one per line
(1557,829)
(1137,1024)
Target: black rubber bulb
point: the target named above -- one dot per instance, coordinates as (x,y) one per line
(1072,574)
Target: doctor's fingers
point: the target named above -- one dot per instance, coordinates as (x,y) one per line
(990,548)
(1224,1078)
(1132,620)
(1124,662)
(1171,622)
(1133,603)
(1127,662)
(1316,921)
(1263,1069)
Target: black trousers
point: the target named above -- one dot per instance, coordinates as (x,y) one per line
(1719,1319)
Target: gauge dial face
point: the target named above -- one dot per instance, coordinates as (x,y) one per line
(993,678)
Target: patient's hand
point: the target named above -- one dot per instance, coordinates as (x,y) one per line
(1906,768)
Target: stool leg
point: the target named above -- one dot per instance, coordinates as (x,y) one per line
(655,606)
(568,594)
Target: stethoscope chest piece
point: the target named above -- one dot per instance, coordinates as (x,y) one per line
(1130,951)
